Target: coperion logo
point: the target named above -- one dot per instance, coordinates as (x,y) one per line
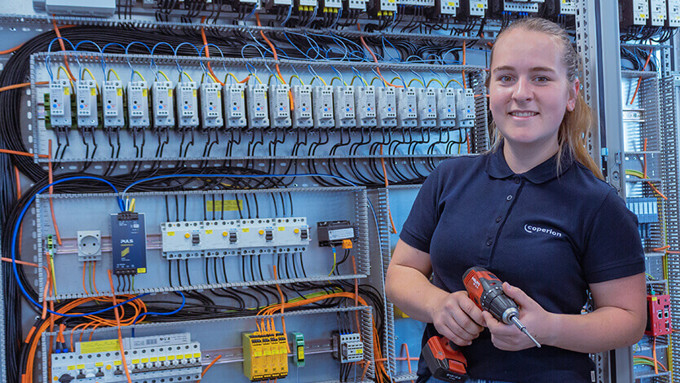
(535,229)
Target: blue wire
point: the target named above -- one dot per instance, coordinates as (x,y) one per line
(295,46)
(78,60)
(179,67)
(290,11)
(153,62)
(49,54)
(184,300)
(103,50)
(127,48)
(16,232)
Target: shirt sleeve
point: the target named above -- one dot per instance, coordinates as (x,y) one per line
(424,216)
(614,249)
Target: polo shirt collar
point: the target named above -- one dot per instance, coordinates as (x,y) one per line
(496,167)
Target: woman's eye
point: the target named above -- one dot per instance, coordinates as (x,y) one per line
(541,79)
(504,78)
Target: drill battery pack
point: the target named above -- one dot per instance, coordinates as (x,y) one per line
(444,362)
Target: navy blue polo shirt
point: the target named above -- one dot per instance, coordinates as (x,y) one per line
(549,235)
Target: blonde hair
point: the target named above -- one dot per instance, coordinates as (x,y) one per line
(576,124)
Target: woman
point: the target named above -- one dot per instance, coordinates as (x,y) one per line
(535,212)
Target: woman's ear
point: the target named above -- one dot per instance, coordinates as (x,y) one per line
(573,95)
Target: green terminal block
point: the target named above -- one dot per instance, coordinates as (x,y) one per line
(299,352)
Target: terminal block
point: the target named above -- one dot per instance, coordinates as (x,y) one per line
(60,104)
(138,105)
(387,107)
(86,104)
(193,239)
(427,107)
(446,107)
(112,104)
(265,356)
(365,106)
(163,358)
(258,110)
(211,105)
(302,113)
(235,105)
(323,107)
(407,107)
(299,349)
(520,6)
(348,348)
(465,108)
(279,106)
(163,104)
(343,102)
(187,105)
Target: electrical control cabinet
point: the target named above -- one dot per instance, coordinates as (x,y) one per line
(112,105)
(187,105)
(235,105)
(138,105)
(258,110)
(323,107)
(343,101)
(163,104)
(171,357)
(211,106)
(302,114)
(60,104)
(86,104)
(279,106)
(365,106)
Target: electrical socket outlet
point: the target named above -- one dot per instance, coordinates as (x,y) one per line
(89,245)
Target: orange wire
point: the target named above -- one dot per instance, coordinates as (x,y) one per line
(49,176)
(22,85)
(404,346)
(63,48)
(208,367)
(25,154)
(375,60)
(644,172)
(656,361)
(85,288)
(120,336)
(94,273)
(10,50)
(276,57)
(464,63)
(389,210)
(649,56)
(283,320)
(207,51)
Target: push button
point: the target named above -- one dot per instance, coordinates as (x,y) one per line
(509,197)
(489,242)
(517,180)
(498,219)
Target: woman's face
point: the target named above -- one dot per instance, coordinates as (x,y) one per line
(528,89)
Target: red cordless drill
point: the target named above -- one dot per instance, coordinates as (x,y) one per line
(444,361)
(486,290)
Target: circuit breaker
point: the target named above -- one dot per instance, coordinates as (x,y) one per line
(112,104)
(258,110)
(465,108)
(279,105)
(138,105)
(446,107)
(427,107)
(343,101)
(387,107)
(658,13)
(86,104)
(211,106)
(323,107)
(673,13)
(235,105)
(634,12)
(163,104)
(407,107)
(302,113)
(365,106)
(187,105)
(60,104)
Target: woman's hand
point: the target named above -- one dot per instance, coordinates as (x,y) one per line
(457,317)
(537,321)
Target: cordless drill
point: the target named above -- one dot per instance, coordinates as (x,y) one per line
(486,290)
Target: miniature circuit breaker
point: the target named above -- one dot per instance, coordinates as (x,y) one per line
(279,105)
(187,105)
(446,107)
(343,102)
(86,104)
(465,108)
(163,358)
(60,104)
(112,105)
(138,105)
(163,104)
(258,109)
(211,106)
(365,106)
(235,105)
(302,113)
(323,107)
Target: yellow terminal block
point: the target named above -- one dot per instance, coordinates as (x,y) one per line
(265,357)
